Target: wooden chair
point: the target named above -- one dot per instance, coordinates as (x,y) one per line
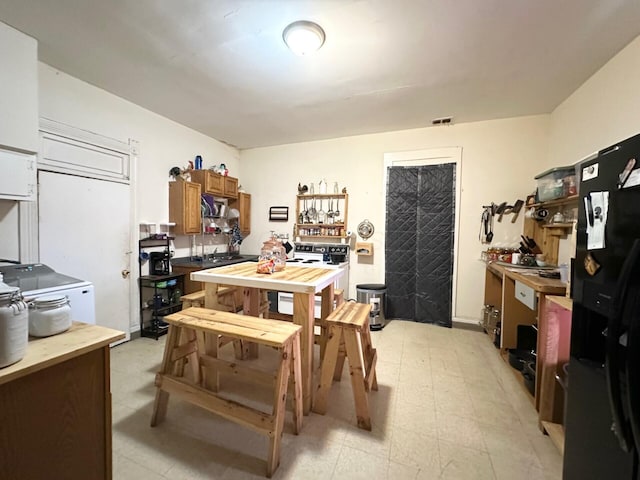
(226,297)
(189,337)
(321,337)
(349,336)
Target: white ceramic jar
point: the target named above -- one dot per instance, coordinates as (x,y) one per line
(49,315)
(14,325)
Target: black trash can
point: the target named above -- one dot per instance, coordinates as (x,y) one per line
(375,295)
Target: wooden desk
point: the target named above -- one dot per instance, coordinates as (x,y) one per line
(55,407)
(303,282)
(500,291)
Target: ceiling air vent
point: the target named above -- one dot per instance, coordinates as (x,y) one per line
(442,121)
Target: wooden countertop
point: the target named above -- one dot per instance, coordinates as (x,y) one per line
(45,352)
(539,284)
(291,279)
(564,302)
(526,275)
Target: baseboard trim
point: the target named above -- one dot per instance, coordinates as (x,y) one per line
(467,323)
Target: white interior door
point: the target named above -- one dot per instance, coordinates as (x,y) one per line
(85,232)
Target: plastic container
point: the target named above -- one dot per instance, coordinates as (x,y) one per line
(554,183)
(374,294)
(274,250)
(14,325)
(49,315)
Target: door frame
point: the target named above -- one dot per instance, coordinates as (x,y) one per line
(426,157)
(28,212)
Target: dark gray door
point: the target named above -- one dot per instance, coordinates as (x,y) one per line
(419,242)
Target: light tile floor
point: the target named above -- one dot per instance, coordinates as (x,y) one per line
(447,407)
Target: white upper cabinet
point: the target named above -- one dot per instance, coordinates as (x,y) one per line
(17,175)
(18,90)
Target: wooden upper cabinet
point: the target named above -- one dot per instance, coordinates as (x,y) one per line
(244,201)
(243,204)
(184,207)
(211,182)
(230,187)
(215,184)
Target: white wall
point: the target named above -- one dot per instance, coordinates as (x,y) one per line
(499,161)
(603,111)
(163,143)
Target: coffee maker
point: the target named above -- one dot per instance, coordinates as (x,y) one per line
(159,263)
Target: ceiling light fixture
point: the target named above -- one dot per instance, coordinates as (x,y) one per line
(303,37)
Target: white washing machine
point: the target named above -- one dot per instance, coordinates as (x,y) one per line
(36,280)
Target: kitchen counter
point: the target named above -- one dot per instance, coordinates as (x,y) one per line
(187,265)
(48,351)
(218,262)
(55,407)
(529,277)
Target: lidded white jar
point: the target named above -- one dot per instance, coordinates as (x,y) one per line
(14,325)
(49,315)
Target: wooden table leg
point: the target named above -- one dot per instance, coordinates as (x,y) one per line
(211,297)
(250,306)
(326,307)
(303,315)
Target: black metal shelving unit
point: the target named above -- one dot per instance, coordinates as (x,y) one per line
(159,294)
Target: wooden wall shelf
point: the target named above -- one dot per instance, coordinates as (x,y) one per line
(548,235)
(555,203)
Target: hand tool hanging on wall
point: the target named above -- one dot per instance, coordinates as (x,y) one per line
(500,211)
(516,210)
(486,224)
(504,209)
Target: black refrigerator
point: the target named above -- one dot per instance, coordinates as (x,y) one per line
(602,422)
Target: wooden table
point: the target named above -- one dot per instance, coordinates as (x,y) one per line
(303,282)
(55,407)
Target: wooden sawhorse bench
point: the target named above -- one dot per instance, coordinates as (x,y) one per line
(349,336)
(192,336)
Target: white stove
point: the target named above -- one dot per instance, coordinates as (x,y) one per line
(319,255)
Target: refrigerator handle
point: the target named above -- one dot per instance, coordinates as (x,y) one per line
(633,372)
(589,209)
(615,148)
(612,361)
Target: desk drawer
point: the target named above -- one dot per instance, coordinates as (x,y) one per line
(526,295)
